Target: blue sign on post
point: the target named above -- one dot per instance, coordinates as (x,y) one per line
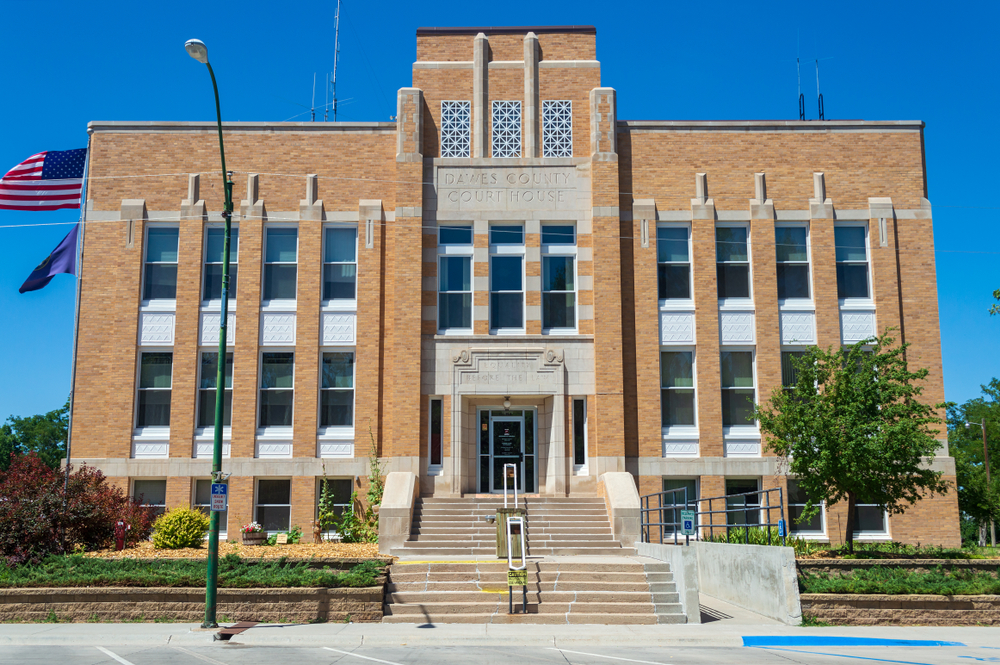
(781,528)
(220,494)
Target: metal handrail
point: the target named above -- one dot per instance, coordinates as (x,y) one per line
(524,537)
(751,513)
(514,467)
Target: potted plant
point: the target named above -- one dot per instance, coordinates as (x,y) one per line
(253,534)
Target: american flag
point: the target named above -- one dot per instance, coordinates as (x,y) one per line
(47,181)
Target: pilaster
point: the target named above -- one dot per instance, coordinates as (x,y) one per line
(532,107)
(480,96)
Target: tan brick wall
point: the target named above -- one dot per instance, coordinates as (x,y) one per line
(179,492)
(553,46)
(307,336)
(765,297)
(246,359)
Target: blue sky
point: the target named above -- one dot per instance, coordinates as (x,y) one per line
(69,63)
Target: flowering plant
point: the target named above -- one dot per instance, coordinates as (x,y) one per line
(253,527)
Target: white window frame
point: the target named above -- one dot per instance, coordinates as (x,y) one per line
(132,495)
(273,429)
(561,250)
(677,303)
(798,303)
(761,513)
(156,431)
(789,348)
(435,469)
(168,304)
(547,141)
(280,304)
(699,525)
(735,303)
(332,535)
(874,535)
(224,525)
(216,303)
(466,147)
(679,432)
(348,304)
(864,303)
(793,528)
(749,430)
(256,504)
(337,431)
(461,251)
(579,469)
(508,250)
(203,430)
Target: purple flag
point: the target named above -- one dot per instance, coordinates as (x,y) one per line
(62,259)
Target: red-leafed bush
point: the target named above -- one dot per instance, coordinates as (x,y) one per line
(35,520)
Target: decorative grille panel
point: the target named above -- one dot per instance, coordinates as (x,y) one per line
(506,129)
(557,129)
(456,128)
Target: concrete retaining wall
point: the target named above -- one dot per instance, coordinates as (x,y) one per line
(188,604)
(622,500)
(395,515)
(684,565)
(759,578)
(878,610)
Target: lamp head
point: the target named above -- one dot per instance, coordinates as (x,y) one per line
(197,50)
(506,402)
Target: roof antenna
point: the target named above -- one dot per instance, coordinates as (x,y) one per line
(326,100)
(819,95)
(802,99)
(336,52)
(312,109)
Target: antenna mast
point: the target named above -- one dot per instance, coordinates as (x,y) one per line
(819,95)
(336,52)
(312,109)
(802,99)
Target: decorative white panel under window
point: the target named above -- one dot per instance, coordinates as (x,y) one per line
(856,325)
(277,328)
(210,328)
(339,328)
(507,129)
(456,128)
(676,327)
(736,327)
(557,128)
(157,329)
(798,327)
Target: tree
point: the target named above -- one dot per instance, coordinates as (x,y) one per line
(978,501)
(44,434)
(854,429)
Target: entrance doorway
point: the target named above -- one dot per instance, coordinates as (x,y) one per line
(507,437)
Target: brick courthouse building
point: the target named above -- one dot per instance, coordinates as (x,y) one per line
(625,285)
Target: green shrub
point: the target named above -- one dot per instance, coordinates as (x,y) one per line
(757,535)
(294,536)
(891,580)
(180,527)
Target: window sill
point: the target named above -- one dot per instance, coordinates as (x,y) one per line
(434,470)
(278,305)
(454,332)
(208,433)
(736,304)
(508,332)
(872,536)
(216,305)
(581,470)
(682,304)
(158,306)
(741,432)
(857,303)
(796,304)
(809,535)
(151,433)
(335,433)
(339,305)
(559,331)
(685,432)
(276,433)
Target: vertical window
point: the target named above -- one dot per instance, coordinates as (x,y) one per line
(274,504)
(557,128)
(280,257)
(214,243)
(852,261)
(507,129)
(206,390)
(790,375)
(154,389)
(152,494)
(160,279)
(455,278)
(673,258)
(732,257)
(277,375)
(797,500)
(579,432)
(507,278)
(792,254)
(203,502)
(558,277)
(337,394)
(738,394)
(456,128)
(869,519)
(338,498)
(340,263)
(676,388)
(436,426)
(672,516)
(743,500)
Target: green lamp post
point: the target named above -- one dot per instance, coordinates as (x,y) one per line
(197,50)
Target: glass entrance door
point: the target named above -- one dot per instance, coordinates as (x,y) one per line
(507,437)
(507,447)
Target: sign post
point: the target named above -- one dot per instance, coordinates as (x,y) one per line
(687,525)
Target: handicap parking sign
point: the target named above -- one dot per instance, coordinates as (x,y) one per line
(687,522)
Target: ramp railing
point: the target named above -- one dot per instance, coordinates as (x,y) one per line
(741,514)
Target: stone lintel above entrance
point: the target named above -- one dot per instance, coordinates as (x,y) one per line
(509,371)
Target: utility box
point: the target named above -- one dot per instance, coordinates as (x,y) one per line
(502,515)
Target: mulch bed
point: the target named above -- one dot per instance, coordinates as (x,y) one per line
(302,551)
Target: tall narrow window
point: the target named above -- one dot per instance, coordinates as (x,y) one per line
(274,504)
(154,389)
(673,257)
(337,399)
(579,432)
(280,257)
(557,128)
(214,242)
(277,381)
(797,501)
(506,129)
(436,427)
(852,261)
(559,277)
(738,393)
(456,128)
(206,390)
(152,494)
(507,278)
(203,502)
(792,254)
(789,374)
(676,388)
(340,263)
(733,262)
(742,501)
(338,497)
(160,279)
(455,252)
(672,516)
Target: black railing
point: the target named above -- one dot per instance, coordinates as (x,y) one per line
(743,513)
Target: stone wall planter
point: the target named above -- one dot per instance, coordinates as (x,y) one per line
(841,567)
(254,538)
(919,610)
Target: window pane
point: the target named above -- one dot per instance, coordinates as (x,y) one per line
(558,235)
(745,505)
(274,518)
(734,280)
(339,280)
(579,436)
(281,245)
(203,492)
(850,242)
(558,310)
(789,375)
(210,369)
(213,281)
(852,280)
(340,245)
(206,408)
(214,239)
(454,235)
(150,492)
(731,244)
(673,281)
(456,273)
(506,235)
(455,310)
(869,518)
(557,273)
(276,408)
(161,281)
(154,371)
(279,282)
(790,244)
(161,245)
(737,407)
(154,408)
(435,433)
(274,492)
(671,244)
(505,273)
(676,370)
(793,280)
(737,369)
(676,407)
(672,516)
(337,408)
(338,370)
(507,310)
(813,524)
(277,370)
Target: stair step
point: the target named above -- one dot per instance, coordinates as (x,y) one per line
(501,617)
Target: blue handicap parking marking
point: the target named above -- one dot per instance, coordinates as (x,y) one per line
(837,641)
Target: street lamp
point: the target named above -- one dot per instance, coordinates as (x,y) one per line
(986,455)
(197,50)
